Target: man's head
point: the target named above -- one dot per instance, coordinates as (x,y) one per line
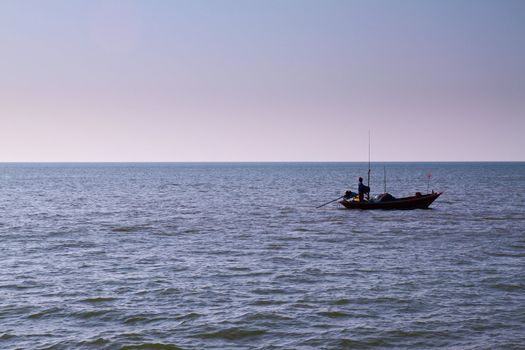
(360,179)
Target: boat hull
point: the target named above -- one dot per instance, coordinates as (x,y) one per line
(407,203)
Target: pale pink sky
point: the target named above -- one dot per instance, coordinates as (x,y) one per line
(262,80)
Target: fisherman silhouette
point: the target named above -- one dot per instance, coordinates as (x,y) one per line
(362,189)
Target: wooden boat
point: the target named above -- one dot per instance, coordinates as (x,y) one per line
(419,201)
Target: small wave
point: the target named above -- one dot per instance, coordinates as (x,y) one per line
(128,229)
(200,184)
(266,291)
(141,319)
(96,342)
(169,184)
(151,346)
(275,246)
(333,314)
(191,230)
(423,338)
(282,260)
(14,286)
(381,300)
(267,316)
(516,246)
(506,254)
(287,210)
(233,333)
(264,302)
(98,300)
(76,244)
(497,218)
(44,313)
(312,255)
(171,290)
(353,344)
(191,316)
(290,238)
(303,305)
(6,336)
(341,302)
(238,268)
(91,314)
(508,287)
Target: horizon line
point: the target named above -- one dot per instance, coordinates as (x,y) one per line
(262,162)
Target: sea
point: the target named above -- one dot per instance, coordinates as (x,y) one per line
(237,256)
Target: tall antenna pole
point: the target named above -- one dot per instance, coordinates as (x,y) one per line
(368,161)
(384,172)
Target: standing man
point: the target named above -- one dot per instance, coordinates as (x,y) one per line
(362,189)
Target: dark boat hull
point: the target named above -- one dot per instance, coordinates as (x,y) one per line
(407,203)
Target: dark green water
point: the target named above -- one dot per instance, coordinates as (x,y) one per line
(234,256)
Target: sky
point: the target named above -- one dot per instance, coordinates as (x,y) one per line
(261,80)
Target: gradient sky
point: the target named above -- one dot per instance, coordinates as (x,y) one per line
(265,80)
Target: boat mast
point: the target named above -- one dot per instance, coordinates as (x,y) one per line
(384,180)
(368,162)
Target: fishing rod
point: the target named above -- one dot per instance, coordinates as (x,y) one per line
(322,205)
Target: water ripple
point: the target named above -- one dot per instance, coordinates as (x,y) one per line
(235,256)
